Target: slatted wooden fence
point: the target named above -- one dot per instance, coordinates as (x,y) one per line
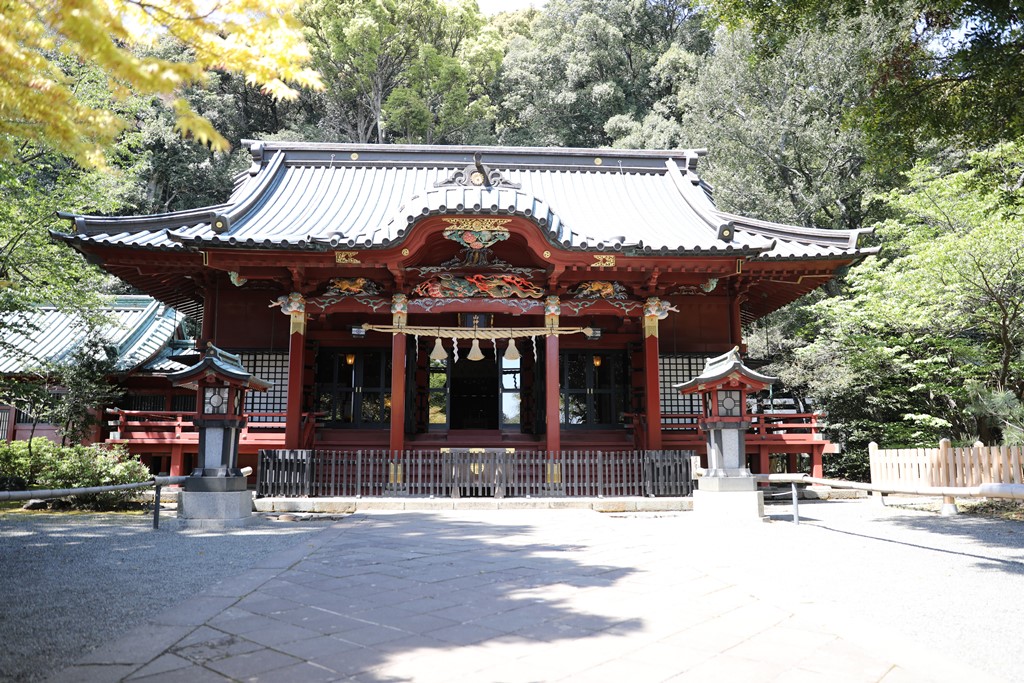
(460,473)
(947,465)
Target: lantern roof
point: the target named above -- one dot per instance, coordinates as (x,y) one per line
(222,365)
(727,369)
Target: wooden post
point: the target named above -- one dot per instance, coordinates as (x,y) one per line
(177,468)
(399,316)
(764,464)
(296,369)
(948,502)
(652,382)
(817,462)
(397,438)
(552,379)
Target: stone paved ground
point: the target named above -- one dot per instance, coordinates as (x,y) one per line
(855,593)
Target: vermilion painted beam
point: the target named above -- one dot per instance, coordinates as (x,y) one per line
(397,438)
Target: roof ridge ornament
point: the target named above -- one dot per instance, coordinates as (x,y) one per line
(477,174)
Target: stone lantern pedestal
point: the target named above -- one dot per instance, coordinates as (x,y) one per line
(727,491)
(216,494)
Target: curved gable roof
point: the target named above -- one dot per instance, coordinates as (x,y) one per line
(321,196)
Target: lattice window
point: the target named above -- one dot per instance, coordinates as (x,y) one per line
(184,403)
(147,402)
(274,368)
(675,369)
(5,422)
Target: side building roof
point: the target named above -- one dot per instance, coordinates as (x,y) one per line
(141,329)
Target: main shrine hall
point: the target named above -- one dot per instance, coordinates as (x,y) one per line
(407,298)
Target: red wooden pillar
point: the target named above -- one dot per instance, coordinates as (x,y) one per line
(177,462)
(209,330)
(296,369)
(817,464)
(764,460)
(552,377)
(397,438)
(399,315)
(652,382)
(794,463)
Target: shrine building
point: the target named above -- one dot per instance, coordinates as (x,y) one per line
(413,298)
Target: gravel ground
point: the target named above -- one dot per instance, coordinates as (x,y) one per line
(954,586)
(69,583)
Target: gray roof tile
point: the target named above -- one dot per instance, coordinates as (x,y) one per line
(320,196)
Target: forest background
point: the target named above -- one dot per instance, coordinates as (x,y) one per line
(905,119)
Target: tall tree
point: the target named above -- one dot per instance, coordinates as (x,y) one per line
(956,74)
(368,49)
(928,339)
(583,62)
(44,42)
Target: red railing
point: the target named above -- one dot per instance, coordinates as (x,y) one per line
(169,426)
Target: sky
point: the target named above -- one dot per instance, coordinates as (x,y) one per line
(490,7)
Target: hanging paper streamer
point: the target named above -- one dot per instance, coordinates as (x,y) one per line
(416,346)
(455,350)
(533,340)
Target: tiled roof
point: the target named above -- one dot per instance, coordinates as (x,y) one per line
(323,196)
(141,329)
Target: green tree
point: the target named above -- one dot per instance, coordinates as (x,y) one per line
(927,339)
(44,106)
(583,62)
(368,49)
(955,75)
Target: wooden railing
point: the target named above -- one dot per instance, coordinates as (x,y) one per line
(163,426)
(946,465)
(779,426)
(456,473)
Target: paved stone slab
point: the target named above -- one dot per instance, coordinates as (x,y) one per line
(573,595)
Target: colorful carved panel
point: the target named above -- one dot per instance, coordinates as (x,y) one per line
(476,233)
(491,286)
(353,286)
(293,304)
(599,289)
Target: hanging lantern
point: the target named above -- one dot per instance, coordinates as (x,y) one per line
(438,352)
(474,352)
(511,353)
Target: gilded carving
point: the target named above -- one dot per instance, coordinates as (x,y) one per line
(353,286)
(603,261)
(599,289)
(346,257)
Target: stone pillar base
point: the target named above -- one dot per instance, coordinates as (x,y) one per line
(729,506)
(215,509)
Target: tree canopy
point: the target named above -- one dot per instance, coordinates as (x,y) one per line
(40,100)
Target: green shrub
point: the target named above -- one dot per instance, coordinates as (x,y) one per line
(18,461)
(82,466)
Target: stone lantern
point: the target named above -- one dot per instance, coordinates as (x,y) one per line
(723,386)
(219,487)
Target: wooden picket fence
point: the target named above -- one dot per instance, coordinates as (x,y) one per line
(947,465)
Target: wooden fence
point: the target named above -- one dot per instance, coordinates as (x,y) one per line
(947,465)
(496,473)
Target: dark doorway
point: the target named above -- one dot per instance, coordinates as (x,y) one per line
(474,393)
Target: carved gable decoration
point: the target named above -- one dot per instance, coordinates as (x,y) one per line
(491,286)
(476,233)
(477,174)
